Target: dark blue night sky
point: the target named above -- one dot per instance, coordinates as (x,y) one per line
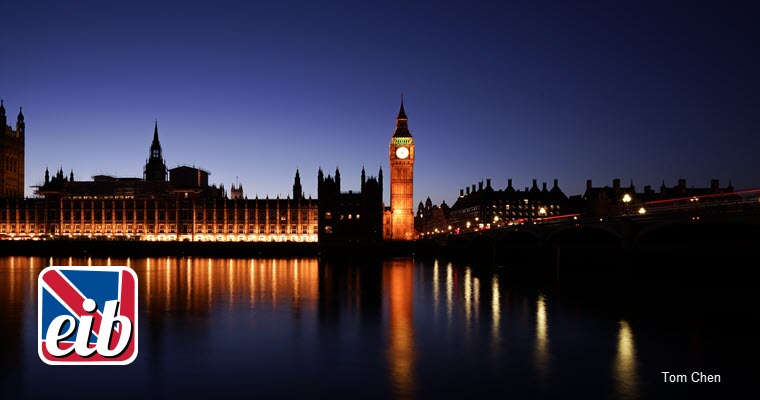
(569,90)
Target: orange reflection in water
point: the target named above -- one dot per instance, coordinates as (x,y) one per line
(18,294)
(398,282)
(196,284)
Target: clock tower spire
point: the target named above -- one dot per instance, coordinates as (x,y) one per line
(402,180)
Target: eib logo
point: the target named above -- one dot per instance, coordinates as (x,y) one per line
(87,315)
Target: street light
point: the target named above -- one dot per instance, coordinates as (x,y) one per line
(626,200)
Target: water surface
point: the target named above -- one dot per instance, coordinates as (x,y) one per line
(378,329)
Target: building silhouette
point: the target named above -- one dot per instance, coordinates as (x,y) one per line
(155,167)
(12,153)
(180,204)
(349,216)
(605,201)
(184,207)
(400,223)
(483,207)
(432,217)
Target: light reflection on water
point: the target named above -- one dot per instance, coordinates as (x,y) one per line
(495,314)
(398,276)
(370,330)
(625,363)
(542,337)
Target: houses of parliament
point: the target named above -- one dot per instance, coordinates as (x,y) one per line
(178,204)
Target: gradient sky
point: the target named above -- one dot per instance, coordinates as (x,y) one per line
(253,90)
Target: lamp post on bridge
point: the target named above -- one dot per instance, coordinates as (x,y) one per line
(626,199)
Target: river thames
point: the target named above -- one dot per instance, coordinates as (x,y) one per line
(394,328)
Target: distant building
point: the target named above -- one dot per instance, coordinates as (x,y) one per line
(12,153)
(599,202)
(350,216)
(431,218)
(484,207)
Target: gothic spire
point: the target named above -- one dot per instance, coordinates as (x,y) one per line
(402,129)
(155,168)
(155,147)
(20,124)
(401,113)
(155,132)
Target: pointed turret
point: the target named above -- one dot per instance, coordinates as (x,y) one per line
(402,129)
(155,146)
(401,112)
(20,124)
(155,168)
(3,119)
(297,189)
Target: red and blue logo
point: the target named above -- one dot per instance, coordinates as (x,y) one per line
(87,315)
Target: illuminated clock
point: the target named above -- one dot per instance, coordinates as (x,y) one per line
(402,152)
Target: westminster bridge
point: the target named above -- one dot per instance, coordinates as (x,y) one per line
(663,229)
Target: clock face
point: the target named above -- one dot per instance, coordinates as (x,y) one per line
(402,152)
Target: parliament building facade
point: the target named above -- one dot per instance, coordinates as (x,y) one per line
(178,204)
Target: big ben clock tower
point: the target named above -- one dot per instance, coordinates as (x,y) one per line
(402,180)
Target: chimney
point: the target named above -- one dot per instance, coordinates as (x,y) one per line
(544,186)
(509,182)
(556,183)
(461,192)
(588,184)
(488,182)
(468,190)
(616,184)
(480,186)
(535,183)
(473,188)
(714,186)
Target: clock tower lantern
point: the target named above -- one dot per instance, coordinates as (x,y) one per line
(402,180)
